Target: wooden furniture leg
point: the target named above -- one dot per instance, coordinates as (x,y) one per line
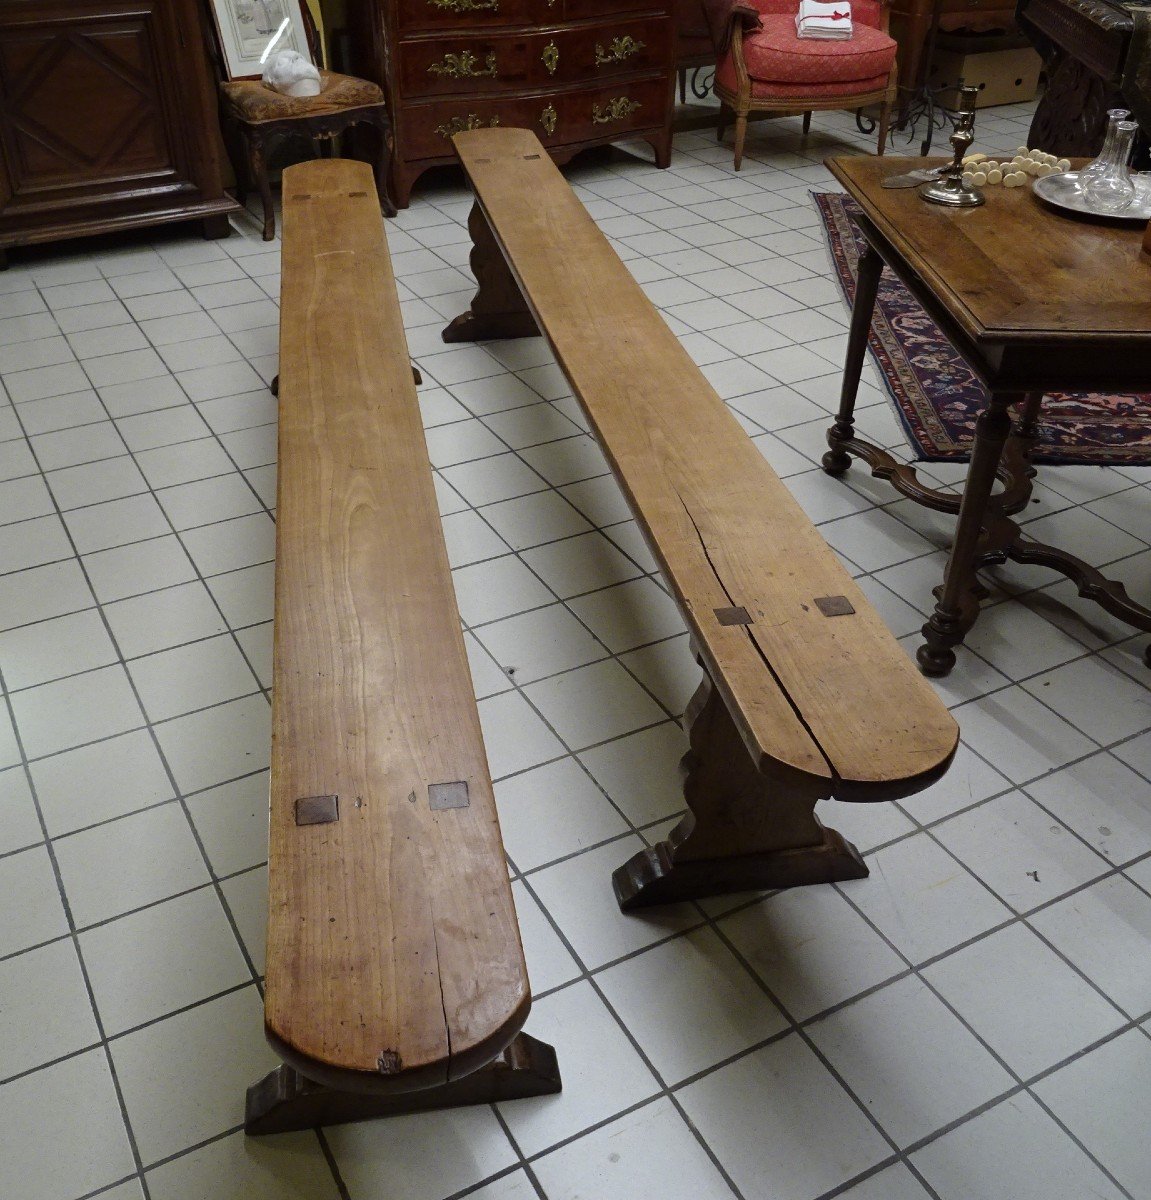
(836,460)
(661,145)
(284,1100)
(383,130)
(746,828)
(215,227)
(884,127)
(258,170)
(958,598)
(498,308)
(740,135)
(1015,469)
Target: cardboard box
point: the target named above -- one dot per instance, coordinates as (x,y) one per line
(1002,76)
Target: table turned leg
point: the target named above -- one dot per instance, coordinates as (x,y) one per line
(745,829)
(498,309)
(958,599)
(837,460)
(284,1100)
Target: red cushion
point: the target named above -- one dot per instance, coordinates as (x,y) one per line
(774,54)
(863,12)
(775,90)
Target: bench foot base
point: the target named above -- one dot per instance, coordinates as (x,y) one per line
(481,327)
(498,309)
(654,877)
(284,1100)
(749,825)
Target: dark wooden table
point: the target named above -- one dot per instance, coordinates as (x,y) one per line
(1035,302)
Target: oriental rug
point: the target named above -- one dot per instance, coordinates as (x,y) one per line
(938,397)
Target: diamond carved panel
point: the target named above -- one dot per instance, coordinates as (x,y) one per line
(82,106)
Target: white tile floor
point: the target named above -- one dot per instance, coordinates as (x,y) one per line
(972,1022)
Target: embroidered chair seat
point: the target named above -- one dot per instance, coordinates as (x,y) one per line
(253,100)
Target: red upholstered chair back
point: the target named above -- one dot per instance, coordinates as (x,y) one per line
(863,12)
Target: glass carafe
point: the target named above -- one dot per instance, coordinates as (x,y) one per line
(1097,165)
(1111,189)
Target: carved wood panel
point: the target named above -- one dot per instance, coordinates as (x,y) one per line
(84,103)
(107,117)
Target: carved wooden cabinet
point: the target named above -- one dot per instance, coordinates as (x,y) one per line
(1095,60)
(108,119)
(577,73)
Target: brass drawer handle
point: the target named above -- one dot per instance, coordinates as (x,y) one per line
(463,66)
(548,119)
(551,57)
(621,48)
(463,124)
(459,6)
(616,110)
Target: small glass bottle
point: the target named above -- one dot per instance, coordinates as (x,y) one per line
(1097,165)
(1112,189)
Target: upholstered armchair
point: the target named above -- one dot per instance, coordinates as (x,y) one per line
(771,69)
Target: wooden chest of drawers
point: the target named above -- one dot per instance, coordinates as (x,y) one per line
(577,73)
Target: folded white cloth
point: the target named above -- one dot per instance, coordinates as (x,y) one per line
(817,19)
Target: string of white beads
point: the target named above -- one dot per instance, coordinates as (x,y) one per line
(979,169)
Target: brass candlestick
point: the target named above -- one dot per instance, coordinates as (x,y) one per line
(949,188)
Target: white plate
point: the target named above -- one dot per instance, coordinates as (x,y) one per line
(1063,191)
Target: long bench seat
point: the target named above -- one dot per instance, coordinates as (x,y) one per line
(395,977)
(806,694)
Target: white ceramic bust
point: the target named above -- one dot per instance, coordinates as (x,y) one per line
(289,72)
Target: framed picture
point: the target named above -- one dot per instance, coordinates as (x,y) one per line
(252,30)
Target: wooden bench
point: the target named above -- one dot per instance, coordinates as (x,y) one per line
(806,694)
(395,978)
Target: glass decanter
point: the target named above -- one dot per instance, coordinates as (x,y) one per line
(1112,189)
(1097,165)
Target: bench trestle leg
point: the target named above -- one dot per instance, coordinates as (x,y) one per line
(284,1100)
(498,308)
(745,830)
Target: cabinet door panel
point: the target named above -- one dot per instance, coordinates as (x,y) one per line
(86,105)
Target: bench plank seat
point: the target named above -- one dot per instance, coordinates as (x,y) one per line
(830,704)
(394,959)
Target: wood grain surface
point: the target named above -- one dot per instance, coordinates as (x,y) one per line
(393,949)
(833,697)
(1013,270)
